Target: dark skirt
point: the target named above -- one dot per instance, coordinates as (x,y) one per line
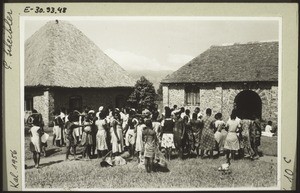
(87,139)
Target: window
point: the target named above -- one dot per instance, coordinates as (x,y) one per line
(28,106)
(192,95)
(75,103)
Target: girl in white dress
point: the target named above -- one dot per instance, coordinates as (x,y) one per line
(35,134)
(57,130)
(101,145)
(221,133)
(232,142)
(117,135)
(139,138)
(131,134)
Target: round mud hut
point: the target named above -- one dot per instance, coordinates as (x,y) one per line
(64,68)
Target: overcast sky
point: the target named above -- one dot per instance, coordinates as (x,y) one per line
(164,43)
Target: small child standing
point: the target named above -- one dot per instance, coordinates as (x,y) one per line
(130,134)
(139,138)
(71,140)
(87,140)
(150,140)
(57,128)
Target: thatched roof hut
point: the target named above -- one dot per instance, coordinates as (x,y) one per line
(64,68)
(257,61)
(60,55)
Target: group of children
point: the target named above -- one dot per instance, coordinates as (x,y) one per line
(145,134)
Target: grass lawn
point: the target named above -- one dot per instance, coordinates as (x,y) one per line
(189,173)
(268,145)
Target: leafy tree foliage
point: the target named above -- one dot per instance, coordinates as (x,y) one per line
(143,95)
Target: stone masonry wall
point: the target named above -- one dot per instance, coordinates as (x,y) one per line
(211,97)
(165,91)
(40,103)
(266,91)
(220,97)
(176,95)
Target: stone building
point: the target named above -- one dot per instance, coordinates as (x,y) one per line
(241,76)
(63,68)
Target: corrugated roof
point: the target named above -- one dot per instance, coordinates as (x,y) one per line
(256,61)
(60,55)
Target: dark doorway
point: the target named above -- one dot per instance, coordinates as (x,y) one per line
(75,103)
(120,101)
(248,103)
(28,105)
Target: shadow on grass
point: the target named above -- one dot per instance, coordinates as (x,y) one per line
(44,164)
(159,168)
(53,151)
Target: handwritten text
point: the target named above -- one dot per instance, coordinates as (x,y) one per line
(14,178)
(8,40)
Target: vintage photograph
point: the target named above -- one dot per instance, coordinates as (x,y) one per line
(146,102)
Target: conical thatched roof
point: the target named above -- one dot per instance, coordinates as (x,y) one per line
(59,55)
(257,61)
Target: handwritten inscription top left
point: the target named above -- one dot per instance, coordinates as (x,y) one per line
(8,40)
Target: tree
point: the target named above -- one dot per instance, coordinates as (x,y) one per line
(159,96)
(143,95)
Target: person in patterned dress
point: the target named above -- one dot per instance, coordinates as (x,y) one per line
(196,128)
(245,138)
(207,141)
(167,134)
(255,135)
(150,141)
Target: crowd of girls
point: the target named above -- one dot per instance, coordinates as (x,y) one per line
(143,134)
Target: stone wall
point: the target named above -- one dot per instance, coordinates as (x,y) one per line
(40,102)
(220,97)
(46,101)
(165,92)
(173,95)
(211,97)
(268,93)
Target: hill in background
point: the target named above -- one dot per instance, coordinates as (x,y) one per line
(153,76)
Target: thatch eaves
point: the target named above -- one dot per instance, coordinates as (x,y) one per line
(60,55)
(250,62)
